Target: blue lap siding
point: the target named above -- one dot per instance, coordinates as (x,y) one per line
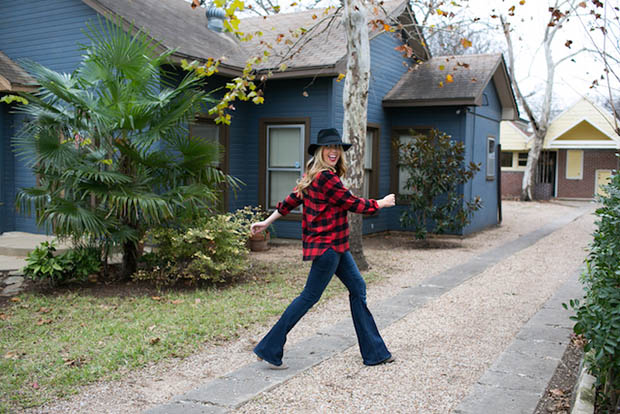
(47,32)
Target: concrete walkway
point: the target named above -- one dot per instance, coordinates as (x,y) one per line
(514,382)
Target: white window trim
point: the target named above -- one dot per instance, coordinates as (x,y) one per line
(268,169)
(491,157)
(580,177)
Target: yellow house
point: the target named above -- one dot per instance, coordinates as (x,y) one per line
(579,153)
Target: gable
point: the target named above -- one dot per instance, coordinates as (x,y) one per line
(582,122)
(583,131)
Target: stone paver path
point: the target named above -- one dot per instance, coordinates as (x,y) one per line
(471,289)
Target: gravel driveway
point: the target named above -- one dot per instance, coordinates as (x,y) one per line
(442,348)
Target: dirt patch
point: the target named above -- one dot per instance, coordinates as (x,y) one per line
(559,393)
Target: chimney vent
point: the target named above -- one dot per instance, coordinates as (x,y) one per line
(215,19)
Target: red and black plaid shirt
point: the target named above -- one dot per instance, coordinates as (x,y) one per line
(324,222)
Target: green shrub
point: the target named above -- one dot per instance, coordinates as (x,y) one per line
(75,264)
(212,249)
(435,166)
(598,314)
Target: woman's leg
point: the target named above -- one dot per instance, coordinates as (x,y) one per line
(271,347)
(371,344)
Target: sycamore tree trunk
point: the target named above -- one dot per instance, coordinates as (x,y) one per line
(540,125)
(355,98)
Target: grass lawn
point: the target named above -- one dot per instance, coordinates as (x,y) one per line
(52,343)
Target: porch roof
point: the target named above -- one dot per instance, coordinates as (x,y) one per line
(427,84)
(14,78)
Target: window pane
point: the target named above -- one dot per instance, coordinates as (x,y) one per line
(522,162)
(506,159)
(368,150)
(491,146)
(366,189)
(208,130)
(284,147)
(403,176)
(281,184)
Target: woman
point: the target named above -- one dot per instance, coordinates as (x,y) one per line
(326,242)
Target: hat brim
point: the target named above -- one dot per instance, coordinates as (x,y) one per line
(313,147)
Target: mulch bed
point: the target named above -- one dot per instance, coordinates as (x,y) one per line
(558,396)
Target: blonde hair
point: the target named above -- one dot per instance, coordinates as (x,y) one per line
(317,165)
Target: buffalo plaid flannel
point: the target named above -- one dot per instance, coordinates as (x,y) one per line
(324,221)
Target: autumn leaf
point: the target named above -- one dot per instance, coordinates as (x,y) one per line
(15,300)
(449,78)
(305,94)
(441,67)
(440,12)
(314,17)
(522,2)
(340,77)
(466,43)
(43,309)
(177,301)
(474,80)
(11,355)
(583,4)
(44,322)
(283,67)
(441,84)
(156,298)
(387,27)
(568,43)
(153,341)
(195,3)
(3,317)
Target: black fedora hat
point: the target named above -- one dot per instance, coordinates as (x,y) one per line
(326,137)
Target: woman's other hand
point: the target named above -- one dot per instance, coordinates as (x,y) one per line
(387,201)
(258,227)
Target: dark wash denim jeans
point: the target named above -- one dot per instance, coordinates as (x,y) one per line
(372,347)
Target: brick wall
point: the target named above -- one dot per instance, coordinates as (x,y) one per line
(511,184)
(592,160)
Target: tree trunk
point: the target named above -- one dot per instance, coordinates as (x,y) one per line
(529,175)
(355,98)
(130,259)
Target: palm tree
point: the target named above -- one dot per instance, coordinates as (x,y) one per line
(110,144)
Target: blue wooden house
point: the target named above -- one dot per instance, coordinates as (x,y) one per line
(265,144)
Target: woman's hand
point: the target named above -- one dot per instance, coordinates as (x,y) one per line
(258,227)
(387,201)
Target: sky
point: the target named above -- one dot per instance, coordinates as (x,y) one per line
(573,78)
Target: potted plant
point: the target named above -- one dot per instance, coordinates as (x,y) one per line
(259,242)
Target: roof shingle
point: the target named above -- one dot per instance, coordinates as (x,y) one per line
(12,76)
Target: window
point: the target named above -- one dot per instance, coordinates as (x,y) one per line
(574,164)
(399,174)
(522,159)
(285,154)
(506,159)
(206,128)
(490,158)
(209,130)
(371,164)
(282,150)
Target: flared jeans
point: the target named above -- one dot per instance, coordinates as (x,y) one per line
(371,345)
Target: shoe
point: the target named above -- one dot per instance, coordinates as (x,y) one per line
(273,366)
(387,361)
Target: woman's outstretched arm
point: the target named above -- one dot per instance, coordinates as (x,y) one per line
(263,225)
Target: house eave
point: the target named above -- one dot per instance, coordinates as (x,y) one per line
(430,102)
(8,86)
(584,144)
